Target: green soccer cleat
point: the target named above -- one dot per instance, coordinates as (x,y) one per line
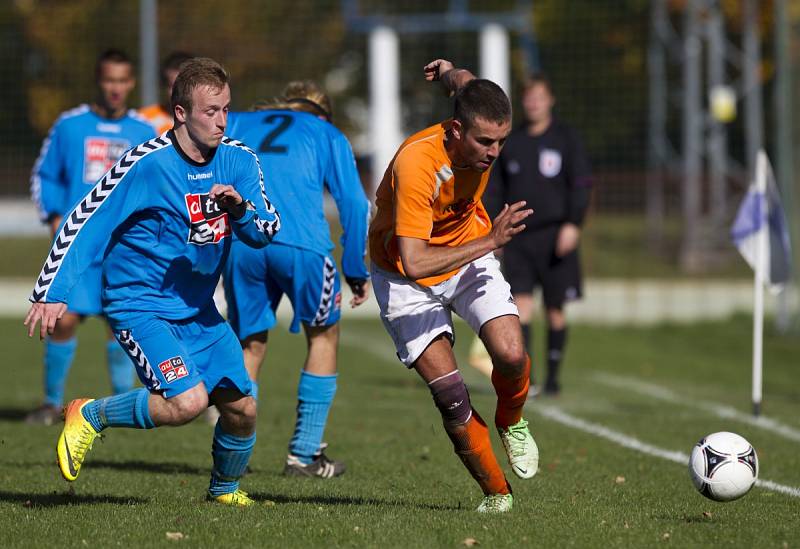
(239,498)
(75,440)
(496,503)
(521,449)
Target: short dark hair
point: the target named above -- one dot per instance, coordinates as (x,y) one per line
(481,98)
(538,78)
(111,55)
(198,71)
(173,62)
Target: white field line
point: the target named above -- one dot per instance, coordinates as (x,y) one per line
(720,410)
(386,353)
(632,443)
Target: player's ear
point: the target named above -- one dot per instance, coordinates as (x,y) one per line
(180,114)
(457,129)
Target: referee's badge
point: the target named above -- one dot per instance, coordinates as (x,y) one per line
(549,162)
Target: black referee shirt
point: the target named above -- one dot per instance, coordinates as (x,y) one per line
(549,171)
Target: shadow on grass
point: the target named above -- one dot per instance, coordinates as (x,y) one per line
(349,500)
(56,499)
(149,467)
(13,414)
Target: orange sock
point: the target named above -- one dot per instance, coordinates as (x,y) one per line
(472,444)
(511,395)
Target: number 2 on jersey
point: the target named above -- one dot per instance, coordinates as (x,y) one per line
(281,123)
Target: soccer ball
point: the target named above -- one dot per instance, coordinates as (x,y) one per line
(723,466)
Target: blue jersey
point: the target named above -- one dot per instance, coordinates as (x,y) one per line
(302,156)
(79,149)
(162,240)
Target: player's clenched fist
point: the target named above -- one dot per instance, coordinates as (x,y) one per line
(228,200)
(435,69)
(508,223)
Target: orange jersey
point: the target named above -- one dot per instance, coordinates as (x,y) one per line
(158,117)
(423,196)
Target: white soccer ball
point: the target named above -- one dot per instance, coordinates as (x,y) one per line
(723,466)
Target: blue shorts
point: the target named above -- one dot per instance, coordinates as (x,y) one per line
(256,279)
(173,356)
(85,297)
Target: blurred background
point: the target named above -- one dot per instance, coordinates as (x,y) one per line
(648,85)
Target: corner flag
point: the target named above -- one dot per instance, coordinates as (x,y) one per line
(761,216)
(762,238)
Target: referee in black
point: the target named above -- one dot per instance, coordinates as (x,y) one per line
(544,163)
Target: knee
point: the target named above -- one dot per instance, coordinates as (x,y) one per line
(511,360)
(188,405)
(239,416)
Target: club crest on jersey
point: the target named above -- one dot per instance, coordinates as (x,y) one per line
(549,162)
(99,154)
(173,368)
(208,224)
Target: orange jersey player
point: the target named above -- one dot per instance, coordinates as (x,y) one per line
(160,114)
(432,246)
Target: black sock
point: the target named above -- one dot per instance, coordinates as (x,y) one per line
(556,339)
(526,340)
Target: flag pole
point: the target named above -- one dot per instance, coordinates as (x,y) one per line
(758,283)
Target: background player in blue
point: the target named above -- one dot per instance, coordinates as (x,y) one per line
(303,154)
(81,146)
(162,217)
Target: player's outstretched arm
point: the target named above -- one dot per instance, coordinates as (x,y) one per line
(444,71)
(48,313)
(421,260)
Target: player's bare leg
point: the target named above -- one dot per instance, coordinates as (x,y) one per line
(526,306)
(315,394)
(556,340)
(466,429)
(234,439)
(510,377)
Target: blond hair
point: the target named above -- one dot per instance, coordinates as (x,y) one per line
(300,96)
(198,71)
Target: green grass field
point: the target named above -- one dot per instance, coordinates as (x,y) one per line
(404,487)
(614,246)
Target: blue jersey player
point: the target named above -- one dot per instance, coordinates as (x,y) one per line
(303,155)
(162,218)
(81,146)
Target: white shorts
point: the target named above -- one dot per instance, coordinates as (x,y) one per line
(414,315)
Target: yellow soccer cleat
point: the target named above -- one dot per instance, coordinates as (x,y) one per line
(75,440)
(239,498)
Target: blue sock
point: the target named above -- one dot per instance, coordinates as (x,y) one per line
(254,392)
(314,398)
(58,356)
(120,368)
(126,410)
(231,455)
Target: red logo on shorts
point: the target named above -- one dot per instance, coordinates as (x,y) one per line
(337,301)
(207,222)
(173,368)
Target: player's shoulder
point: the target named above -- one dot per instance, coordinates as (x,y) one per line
(230,146)
(425,146)
(72,116)
(150,152)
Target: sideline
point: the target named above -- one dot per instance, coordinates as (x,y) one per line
(720,410)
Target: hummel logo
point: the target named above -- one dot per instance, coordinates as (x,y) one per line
(72,471)
(198,176)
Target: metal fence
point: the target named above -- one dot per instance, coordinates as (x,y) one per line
(618,69)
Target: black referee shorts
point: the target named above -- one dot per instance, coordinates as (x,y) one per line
(529,261)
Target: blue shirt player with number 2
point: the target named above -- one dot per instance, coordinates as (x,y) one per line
(303,155)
